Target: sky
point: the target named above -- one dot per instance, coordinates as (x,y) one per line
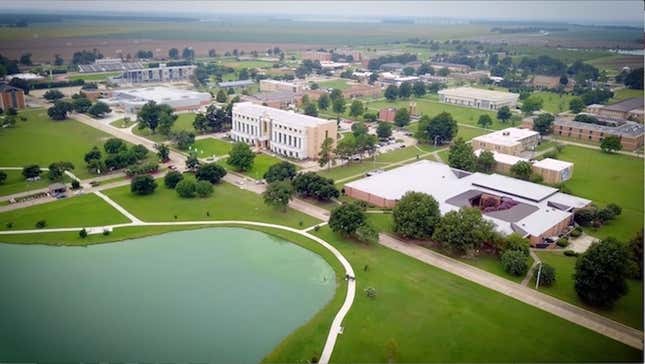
(596,12)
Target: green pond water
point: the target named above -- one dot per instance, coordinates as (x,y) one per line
(224,295)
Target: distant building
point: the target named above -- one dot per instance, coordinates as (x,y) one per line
(283,132)
(110,65)
(161,73)
(11,97)
(391,67)
(275,99)
(361,90)
(388,78)
(630,133)
(470,76)
(236,84)
(550,82)
(512,141)
(132,100)
(630,109)
(357,56)
(452,67)
(428,78)
(316,56)
(275,85)
(478,98)
(25,76)
(387,114)
(552,171)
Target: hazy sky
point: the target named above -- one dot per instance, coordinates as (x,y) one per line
(605,11)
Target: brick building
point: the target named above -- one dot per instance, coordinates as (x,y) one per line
(630,133)
(11,97)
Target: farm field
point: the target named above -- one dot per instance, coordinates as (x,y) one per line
(606,178)
(85,210)
(39,141)
(625,93)
(16,183)
(228,202)
(628,309)
(337,84)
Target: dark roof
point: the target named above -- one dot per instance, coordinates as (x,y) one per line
(5,88)
(627,105)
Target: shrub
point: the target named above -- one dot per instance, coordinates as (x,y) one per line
(563,242)
(82,233)
(576,232)
(142,169)
(416,215)
(370,292)
(212,173)
(514,262)
(346,219)
(204,188)
(172,178)
(41,224)
(600,273)
(106,232)
(186,188)
(570,253)
(515,242)
(547,275)
(585,216)
(143,185)
(76,185)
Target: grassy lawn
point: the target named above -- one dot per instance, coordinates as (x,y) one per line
(360,167)
(184,122)
(93,76)
(337,84)
(247,64)
(261,165)
(16,183)
(209,147)
(625,93)
(85,210)
(606,178)
(228,202)
(123,123)
(628,309)
(42,141)
(429,315)
(429,105)
(554,103)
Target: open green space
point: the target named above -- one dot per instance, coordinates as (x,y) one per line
(211,147)
(42,141)
(184,122)
(247,64)
(628,309)
(93,76)
(228,202)
(261,165)
(355,168)
(84,210)
(614,63)
(123,123)
(552,102)
(337,84)
(625,93)
(16,183)
(605,178)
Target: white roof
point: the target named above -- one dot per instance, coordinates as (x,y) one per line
(503,158)
(25,76)
(515,187)
(478,93)
(290,117)
(553,164)
(161,94)
(508,136)
(542,220)
(569,200)
(278,82)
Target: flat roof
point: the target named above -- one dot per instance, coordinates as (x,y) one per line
(508,136)
(255,110)
(236,83)
(515,187)
(160,94)
(553,164)
(627,105)
(478,93)
(503,158)
(628,128)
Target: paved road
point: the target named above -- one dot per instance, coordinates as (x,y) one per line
(575,314)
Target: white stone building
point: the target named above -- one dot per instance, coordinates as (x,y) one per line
(478,98)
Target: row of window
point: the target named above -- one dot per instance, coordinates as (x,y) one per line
(580,131)
(287,139)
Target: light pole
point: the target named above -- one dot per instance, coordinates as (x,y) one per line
(537,281)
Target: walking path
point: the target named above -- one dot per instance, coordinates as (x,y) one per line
(529,274)
(567,311)
(134,219)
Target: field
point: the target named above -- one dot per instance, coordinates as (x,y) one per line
(93,76)
(261,165)
(42,141)
(184,122)
(625,93)
(228,202)
(15,183)
(614,63)
(554,103)
(606,178)
(628,309)
(123,123)
(356,168)
(337,84)
(211,147)
(85,210)
(247,64)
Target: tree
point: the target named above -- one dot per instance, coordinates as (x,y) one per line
(335,94)
(163,152)
(346,219)
(99,109)
(504,114)
(20,83)
(356,108)
(440,129)
(391,92)
(200,123)
(323,102)
(221,96)
(514,262)
(543,122)
(241,157)
(3,177)
(311,109)
(150,114)
(59,110)
(634,79)
(531,103)
(211,172)
(278,194)
(443,72)
(384,130)
(547,275)
(358,129)
(31,171)
(521,170)
(461,156)
(280,172)
(463,231)
(312,185)
(81,104)
(419,89)
(405,90)
(338,106)
(114,145)
(173,53)
(192,162)
(416,215)
(635,255)
(346,147)
(188,53)
(171,179)
(204,188)
(53,95)
(57,169)
(25,59)
(82,233)
(610,144)
(485,121)
(576,105)
(326,149)
(58,60)
(93,154)
(600,273)
(186,188)
(184,139)
(167,120)
(402,117)
(485,162)
(143,185)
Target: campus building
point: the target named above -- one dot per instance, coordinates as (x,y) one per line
(236,84)
(629,132)
(512,141)
(534,211)
(630,109)
(452,67)
(552,171)
(132,100)
(283,132)
(11,97)
(109,65)
(316,56)
(478,98)
(284,86)
(161,73)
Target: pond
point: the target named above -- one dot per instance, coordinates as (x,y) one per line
(225,295)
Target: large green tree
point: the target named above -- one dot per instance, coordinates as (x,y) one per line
(59,110)
(463,231)
(543,123)
(611,144)
(347,218)
(143,185)
(440,129)
(211,172)
(415,215)
(280,172)
(278,194)
(576,105)
(504,114)
(461,156)
(402,117)
(241,157)
(600,273)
